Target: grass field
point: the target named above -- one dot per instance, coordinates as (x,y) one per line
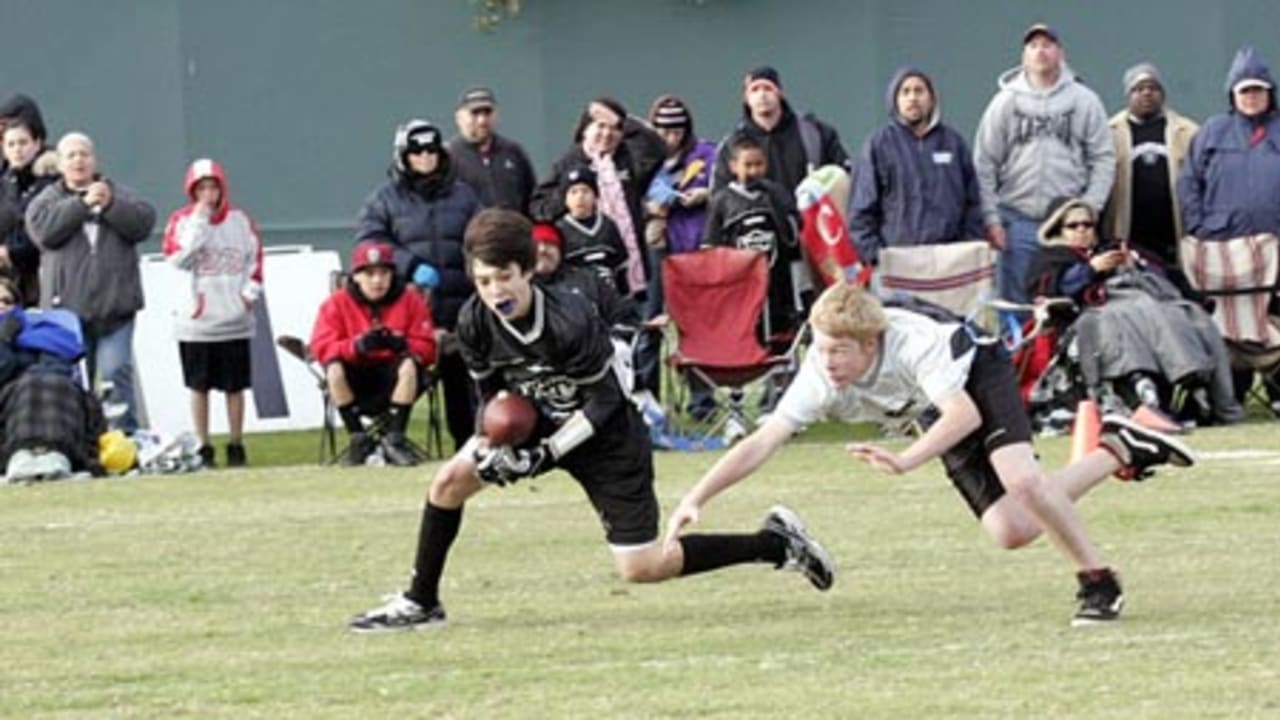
(225,595)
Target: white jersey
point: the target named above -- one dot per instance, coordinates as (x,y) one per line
(922,362)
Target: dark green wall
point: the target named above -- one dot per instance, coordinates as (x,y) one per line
(299,98)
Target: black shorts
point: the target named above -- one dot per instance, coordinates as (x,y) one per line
(615,468)
(220,365)
(994,389)
(372,385)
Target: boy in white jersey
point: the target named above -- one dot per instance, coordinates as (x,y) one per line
(872,363)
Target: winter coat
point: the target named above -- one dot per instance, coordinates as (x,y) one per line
(1230,187)
(18,187)
(101,283)
(222,254)
(910,190)
(1035,145)
(785,148)
(1178,133)
(347,314)
(502,177)
(424,219)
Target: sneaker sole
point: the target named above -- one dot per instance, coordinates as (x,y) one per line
(790,521)
(1180,455)
(389,629)
(1084,622)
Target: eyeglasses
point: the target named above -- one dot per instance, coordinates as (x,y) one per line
(482,111)
(1082,225)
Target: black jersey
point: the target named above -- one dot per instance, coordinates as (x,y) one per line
(595,244)
(619,313)
(559,356)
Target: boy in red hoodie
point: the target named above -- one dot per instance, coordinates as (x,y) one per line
(217,246)
(375,337)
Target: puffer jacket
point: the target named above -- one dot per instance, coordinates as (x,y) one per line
(424,218)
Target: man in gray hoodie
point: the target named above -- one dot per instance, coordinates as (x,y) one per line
(1044,135)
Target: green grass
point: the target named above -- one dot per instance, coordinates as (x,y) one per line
(225,595)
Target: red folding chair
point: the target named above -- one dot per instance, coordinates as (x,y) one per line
(715,299)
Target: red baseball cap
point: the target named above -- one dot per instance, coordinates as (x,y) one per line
(372,253)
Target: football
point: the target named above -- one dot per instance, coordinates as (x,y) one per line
(508,419)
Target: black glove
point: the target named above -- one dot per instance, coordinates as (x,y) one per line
(379,339)
(395,343)
(367,343)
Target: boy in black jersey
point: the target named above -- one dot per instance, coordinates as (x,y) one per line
(591,239)
(553,348)
(755,213)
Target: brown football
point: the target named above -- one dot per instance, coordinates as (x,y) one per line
(509,419)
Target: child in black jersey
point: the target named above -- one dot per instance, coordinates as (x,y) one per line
(591,239)
(554,348)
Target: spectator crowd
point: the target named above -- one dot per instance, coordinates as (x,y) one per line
(1066,194)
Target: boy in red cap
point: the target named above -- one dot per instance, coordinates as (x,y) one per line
(374,337)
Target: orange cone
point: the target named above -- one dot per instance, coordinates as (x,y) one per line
(1153,419)
(1087,429)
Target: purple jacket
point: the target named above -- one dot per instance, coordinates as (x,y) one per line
(684,225)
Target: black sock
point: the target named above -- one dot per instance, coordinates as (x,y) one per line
(350,415)
(399,417)
(435,535)
(709,552)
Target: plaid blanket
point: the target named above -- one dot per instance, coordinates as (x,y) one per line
(958,276)
(1240,274)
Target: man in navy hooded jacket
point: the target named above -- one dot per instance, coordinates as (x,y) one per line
(914,182)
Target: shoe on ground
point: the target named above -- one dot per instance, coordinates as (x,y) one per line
(398,613)
(358,451)
(804,553)
(206,457)
(236,456)
(1101,598)
(397,451)
(1140,449)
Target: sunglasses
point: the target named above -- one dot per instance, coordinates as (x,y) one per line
(482,111)
(1083,225)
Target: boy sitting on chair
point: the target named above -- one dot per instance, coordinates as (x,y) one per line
(374,338)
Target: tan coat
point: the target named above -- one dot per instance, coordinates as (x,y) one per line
(1177,137)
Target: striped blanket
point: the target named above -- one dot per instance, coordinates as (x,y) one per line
(1240,274)
(958,276)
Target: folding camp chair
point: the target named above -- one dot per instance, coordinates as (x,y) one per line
(714,300)
(375,416)
(1242,277)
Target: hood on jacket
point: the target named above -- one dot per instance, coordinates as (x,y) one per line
(1249,65)
(206,168)
(891,95)
(1050,232)
(1015,80)
(21,106)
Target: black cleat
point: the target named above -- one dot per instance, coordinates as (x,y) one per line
(398,614)
(1100,596)
(804,553)
(206,457)
(396,450)
(358,451)
(1140,449)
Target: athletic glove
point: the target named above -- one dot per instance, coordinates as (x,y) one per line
(503,465)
